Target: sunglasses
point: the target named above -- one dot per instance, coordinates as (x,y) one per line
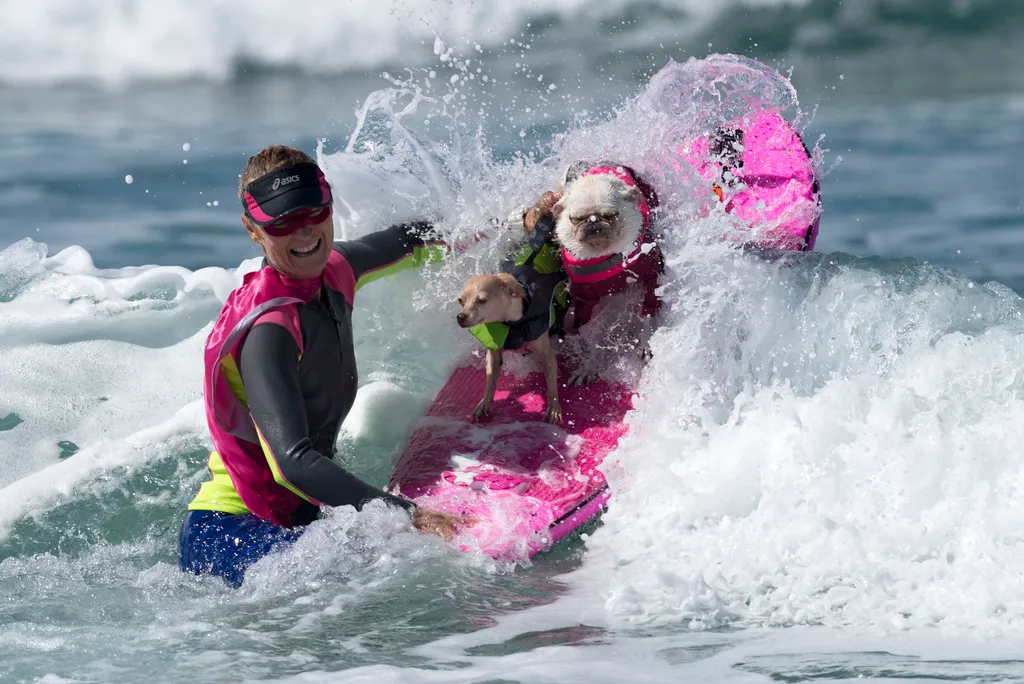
(287,225)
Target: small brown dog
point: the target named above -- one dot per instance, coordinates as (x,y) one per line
(524,307)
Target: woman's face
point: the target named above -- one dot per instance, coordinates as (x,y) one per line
(301,254)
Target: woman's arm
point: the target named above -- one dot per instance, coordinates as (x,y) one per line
(394,249)
(270,374)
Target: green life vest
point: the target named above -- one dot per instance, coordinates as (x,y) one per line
(540,274)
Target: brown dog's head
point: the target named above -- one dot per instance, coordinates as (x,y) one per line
(598,214)
(490,299)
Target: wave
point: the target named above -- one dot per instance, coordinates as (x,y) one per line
(821,439)
(56,41)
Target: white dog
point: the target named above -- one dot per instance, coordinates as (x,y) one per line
(602,224)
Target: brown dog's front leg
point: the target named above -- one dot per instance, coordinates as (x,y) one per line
(493,371)
(542,346)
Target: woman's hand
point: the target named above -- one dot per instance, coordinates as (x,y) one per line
(541,208)
(444,525)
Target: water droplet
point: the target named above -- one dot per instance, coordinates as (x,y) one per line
(128,179)
(67,449)
(186,147)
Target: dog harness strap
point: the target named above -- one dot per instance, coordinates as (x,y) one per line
(593,270)
(541,289)
(582,268)
(541,234)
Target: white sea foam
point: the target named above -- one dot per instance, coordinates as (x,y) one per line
(117,42)
(59,40)
(93,355)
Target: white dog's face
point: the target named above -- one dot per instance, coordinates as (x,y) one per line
(598,215)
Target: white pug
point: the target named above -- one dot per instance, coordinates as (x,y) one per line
(598,215)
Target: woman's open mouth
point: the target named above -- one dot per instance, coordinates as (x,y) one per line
(312,249)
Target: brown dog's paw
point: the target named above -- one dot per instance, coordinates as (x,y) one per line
(482,409)
(554,413)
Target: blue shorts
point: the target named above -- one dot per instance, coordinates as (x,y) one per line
(226,545)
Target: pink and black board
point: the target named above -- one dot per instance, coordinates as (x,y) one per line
(526,482)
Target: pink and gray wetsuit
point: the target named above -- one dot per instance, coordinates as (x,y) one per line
(280,378)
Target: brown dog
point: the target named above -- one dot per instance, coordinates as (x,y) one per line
(500,298)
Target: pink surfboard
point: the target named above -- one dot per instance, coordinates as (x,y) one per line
(526,482)
(777,191)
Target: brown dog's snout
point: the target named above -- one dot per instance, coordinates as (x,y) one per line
(460,318)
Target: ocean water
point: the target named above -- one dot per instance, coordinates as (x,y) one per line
(821,479)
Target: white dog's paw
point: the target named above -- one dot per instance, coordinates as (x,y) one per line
(582,376)
(644,353)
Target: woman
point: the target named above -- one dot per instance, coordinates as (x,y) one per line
(280,373)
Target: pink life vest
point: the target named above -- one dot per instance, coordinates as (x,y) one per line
(592,279)
(264,296)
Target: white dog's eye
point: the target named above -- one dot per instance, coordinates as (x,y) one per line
(610,215)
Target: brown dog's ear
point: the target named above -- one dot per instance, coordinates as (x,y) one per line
(632,193)
(510,286)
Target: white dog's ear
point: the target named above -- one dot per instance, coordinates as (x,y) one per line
(631,193)
(558,208)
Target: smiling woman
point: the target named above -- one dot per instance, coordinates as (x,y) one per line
(280,373)
(287,204)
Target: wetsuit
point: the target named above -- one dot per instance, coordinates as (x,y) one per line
(280,379)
